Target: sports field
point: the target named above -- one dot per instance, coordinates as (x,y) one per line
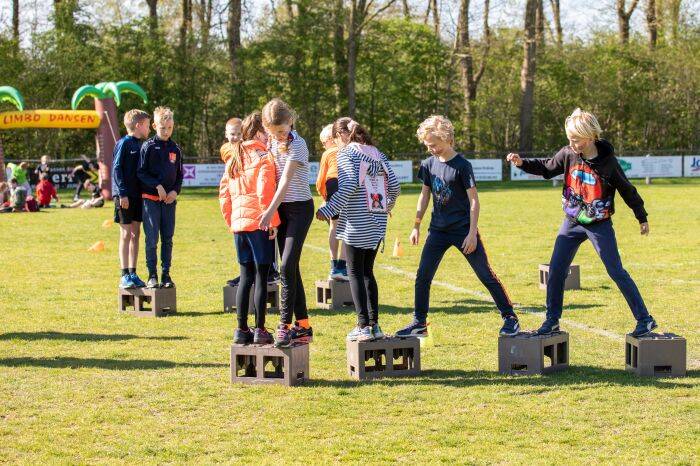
(80,383)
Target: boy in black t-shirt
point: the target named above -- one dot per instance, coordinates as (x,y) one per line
(450,179)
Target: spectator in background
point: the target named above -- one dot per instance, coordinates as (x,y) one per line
(84,171)
(18,196)
(19,173)
(96,200)
(43,168)
(45,191)
(4,197)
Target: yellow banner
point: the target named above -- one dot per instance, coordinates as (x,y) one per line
(50,119)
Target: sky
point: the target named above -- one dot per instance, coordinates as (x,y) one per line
(579,17)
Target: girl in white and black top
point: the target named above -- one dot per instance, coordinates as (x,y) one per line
(367,191)
(296,210)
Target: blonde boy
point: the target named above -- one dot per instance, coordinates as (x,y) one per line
(592,174)
(160,176)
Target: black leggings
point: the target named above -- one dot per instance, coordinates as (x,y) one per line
(363,285)
(296,220)
(252,274)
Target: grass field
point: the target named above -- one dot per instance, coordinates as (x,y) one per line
(80,383)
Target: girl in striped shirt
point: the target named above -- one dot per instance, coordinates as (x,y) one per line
(367,191)
(295,206)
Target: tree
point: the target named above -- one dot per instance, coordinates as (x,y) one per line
(340,63)
(434,10)
(153,16)
(623,19)
(539,24)
(651,23)
(470,74)
(556,13)
(185,25)
(527,78)
(360,16)
(406,10)
(15,21)
(233,32)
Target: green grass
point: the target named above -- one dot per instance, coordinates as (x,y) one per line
(80,383)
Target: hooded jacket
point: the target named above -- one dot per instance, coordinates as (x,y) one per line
(589,188)
(246,195)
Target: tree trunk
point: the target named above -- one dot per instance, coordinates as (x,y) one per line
(2,162)
(233,31)
(556,12)
(406,10)
(651,23)
(64,11)
(469,77)
(357,9)
(623,19)
(436,17)
(152,16)
(527,78)
(15,21)
(185,25)
(340,63)
(539,24)
(674,12)
(204,12)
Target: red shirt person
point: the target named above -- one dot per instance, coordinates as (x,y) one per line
(45,191)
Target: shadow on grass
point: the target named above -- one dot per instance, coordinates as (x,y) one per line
(574,376)
(196,314)
(94,363)
(461,306)
(50,335)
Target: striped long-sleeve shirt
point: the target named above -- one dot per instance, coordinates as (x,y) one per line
(297,151)
(357,226)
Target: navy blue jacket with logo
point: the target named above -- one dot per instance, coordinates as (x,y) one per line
(160,164)
(127,152)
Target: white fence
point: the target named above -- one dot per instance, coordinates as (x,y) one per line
(671,166)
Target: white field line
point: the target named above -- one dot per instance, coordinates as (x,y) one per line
(485,297)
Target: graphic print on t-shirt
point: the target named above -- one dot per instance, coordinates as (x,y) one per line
(582,197)
(441,191)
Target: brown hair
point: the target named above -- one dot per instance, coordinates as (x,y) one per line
(276,112)
(355,131)
(233,121)
(134,117)
(252,125)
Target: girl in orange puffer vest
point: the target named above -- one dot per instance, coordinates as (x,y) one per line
(246,190)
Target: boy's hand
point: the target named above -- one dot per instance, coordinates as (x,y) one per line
(469,243)
(414,237)
(644,228)
(161,192)
(124,202)
(170,198)
(320,216)
(273,232)
(514,159)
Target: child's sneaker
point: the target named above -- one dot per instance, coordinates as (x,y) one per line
(298,332)
(139,283)
(414,329)
(511,326)
(283,338)
(262,337)
(360,334)
(377,332)
(547,327)
(644,327)
(343,266)
(242,337)
(152,281)
(166,281)
(233,281)
(336,272)
(127,282)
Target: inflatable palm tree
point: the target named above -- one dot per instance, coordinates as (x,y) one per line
(108,96)
(13,97)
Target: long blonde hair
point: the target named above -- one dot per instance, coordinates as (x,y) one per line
(252,125)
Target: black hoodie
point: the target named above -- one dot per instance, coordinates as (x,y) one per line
(589,185)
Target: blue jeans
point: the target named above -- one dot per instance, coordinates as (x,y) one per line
(602,237)
(436,244)
(158,219)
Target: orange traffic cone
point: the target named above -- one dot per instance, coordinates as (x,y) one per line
(107,223)
(97,247)
(398,249)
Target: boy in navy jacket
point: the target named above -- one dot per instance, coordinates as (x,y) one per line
(126,191)
(160,176)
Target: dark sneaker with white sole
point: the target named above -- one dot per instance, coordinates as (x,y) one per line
(297,332)
(283,337)
(414,329)
(262,337)
(548,327)
(242,337)
(166,281)
(511,326)
(644,327)
(152,282)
